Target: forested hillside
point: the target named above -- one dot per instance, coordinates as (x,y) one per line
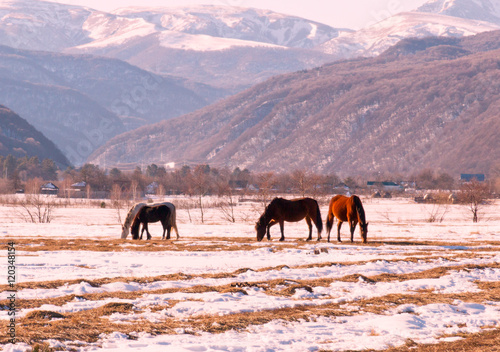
(19,139)
(424,103)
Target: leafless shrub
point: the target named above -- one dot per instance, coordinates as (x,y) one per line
(35,206)
(226,206)
(436,212)
(473,195)
(117,201)
(386,216)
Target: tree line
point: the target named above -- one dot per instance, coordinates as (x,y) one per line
(201,179)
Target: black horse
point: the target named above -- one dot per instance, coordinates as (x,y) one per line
(281,210)
(149,214)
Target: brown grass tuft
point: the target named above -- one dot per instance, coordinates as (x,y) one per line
(43,314)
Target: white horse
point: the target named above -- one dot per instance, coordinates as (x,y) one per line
(135,209)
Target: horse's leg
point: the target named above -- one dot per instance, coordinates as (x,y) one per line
(168,232)
(339,225)
(352,228)
(282,228)
(142,231)
(165,226)
(309,224)
(147,230)
(271,223)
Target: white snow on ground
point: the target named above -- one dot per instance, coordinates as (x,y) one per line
(392,221)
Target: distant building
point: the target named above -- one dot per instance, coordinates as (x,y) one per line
(79,185)
(152,188)
(49,188)
(470,177)
(386,185)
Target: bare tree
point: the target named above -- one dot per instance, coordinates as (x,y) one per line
(226,195)
(473,194)
(116,200)
(265,182)
(200,185)
(300,180)
(37,207)
(134,185)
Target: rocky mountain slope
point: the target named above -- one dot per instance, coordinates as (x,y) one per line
(19,138)
(424,103)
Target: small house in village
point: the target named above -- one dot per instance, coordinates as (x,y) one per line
(388,186)
(49,188)
(470,177)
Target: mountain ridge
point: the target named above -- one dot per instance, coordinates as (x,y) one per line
(20,139)
(410,110)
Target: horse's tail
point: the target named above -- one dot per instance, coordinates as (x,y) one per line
(319,222)
(329,222)
(173,218)
(360,210)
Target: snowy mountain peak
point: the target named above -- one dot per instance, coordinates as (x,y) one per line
(235,22)
(483,10)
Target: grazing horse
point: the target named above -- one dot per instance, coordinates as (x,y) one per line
(149,214)
(133,212)
(281,210)
(348,209)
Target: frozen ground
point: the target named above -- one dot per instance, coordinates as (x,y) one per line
(402,242)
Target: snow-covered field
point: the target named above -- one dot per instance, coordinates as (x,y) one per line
(80,287)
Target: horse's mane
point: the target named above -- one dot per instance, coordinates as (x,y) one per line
(131,214)
(136,223)
(359,208)
(265,214)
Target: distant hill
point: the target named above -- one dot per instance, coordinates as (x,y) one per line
(19,138)
(428,103)
(79,102)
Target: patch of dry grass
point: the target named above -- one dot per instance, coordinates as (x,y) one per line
(40,325)
(205,244)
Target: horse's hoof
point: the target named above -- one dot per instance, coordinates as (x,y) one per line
(282,239)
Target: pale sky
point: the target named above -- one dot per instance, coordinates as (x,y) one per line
(352,14)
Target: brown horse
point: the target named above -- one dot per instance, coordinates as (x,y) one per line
(149,214)
(281,210)
(348,209)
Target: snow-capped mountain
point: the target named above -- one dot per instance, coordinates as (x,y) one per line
(482,10)
(247,24)
(230,47)
(373,40)
(227,47)
(41,25)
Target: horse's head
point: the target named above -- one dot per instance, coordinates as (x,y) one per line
(364,231)
(260,227)
(125,231)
